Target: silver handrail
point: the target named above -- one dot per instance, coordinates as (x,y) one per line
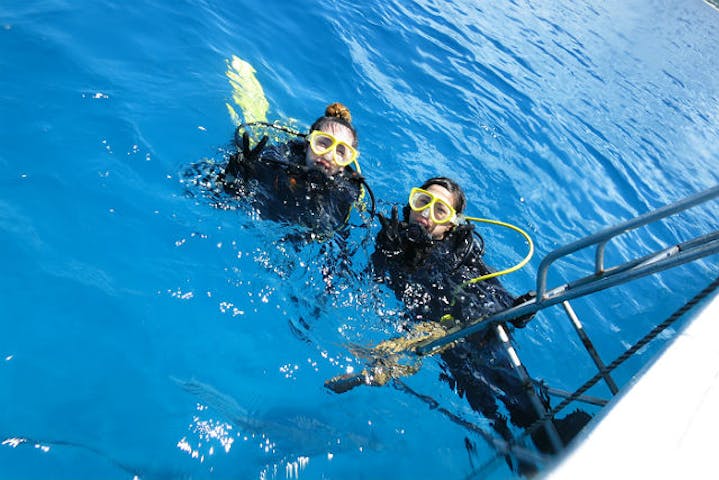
(603,237)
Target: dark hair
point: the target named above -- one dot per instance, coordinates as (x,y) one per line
(460,200)
(337,113)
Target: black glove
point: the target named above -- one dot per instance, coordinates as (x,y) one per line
(522,321)
(388,238)
(241,163)
(346,382)
(251,155)
(411,241)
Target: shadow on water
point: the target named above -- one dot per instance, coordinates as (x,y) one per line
(286,432)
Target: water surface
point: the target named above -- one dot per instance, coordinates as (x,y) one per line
(119,288)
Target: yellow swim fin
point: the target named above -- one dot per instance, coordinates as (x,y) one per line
(247,92)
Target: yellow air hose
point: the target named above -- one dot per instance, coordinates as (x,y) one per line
(507,270)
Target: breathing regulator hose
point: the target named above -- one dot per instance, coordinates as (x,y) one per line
(516,267)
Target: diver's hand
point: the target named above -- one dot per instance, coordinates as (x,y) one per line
(389,237)
(252,155)
(241,164)
(390,228)
(522,321)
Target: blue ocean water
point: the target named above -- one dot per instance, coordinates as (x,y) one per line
(147,334)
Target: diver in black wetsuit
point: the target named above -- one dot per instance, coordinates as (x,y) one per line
(428,260)
(309,181)
(429,257)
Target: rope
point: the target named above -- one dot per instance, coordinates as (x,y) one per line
(623,357)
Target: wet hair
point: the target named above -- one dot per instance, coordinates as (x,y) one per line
(337,113)
(460,200)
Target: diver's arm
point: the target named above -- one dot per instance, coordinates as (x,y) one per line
(393,358)
(236,168)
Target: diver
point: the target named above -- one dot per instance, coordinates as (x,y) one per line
(308,181)
(430,259)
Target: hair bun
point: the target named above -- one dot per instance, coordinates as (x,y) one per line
(339,111)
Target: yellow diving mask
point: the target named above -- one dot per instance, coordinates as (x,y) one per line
(322,142)
(440,211)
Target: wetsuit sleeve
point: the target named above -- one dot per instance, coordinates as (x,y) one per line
(387,260)
(236,168)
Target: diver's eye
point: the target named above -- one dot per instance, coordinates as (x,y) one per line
(423,200)
(323,142)
(441,211)
(419,200)
(342,150)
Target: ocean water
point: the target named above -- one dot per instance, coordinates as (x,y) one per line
(147,334)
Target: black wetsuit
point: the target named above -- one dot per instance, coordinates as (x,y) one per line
(281,188)
(426,275)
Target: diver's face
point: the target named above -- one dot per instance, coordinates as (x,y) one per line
(437,231)
(326,162)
